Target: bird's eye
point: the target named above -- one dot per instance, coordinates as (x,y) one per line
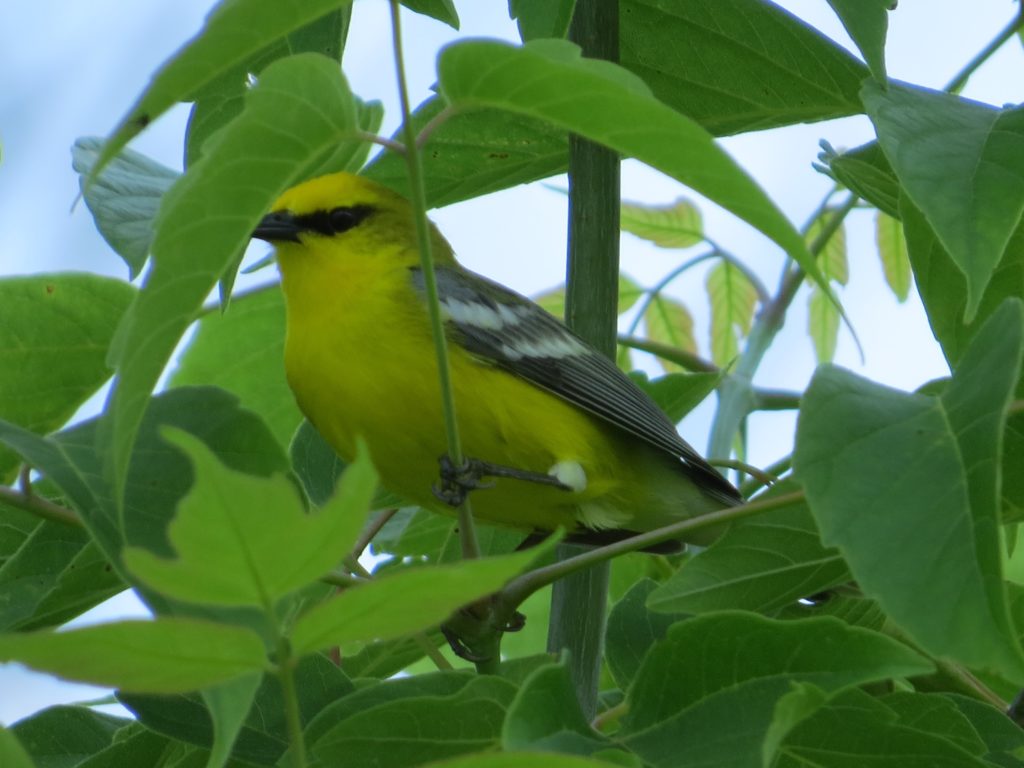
(343,219)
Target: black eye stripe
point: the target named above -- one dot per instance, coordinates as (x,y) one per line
(334,221)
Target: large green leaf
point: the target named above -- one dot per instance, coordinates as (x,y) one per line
(474,153)
(906,487)
(233,33)
(962,164)
(738,65)
(943,287)
(207,217)
(168,655)
(229,528)
(761,564)
(548,79)
(407,602)
(857,730)
(467,720)
(65,735)
(733,683)
(867,22)
(222,98)
(631,631)
(54,333)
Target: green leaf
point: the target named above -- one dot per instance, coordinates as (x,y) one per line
(521,760)
(406,602)
(124,198)
(867,22)
(548,79)
(822,325)
(241,350)
(892,250)
(962,164)
(866,172)
(632,630)
(474,153)
(1001,735)
(856,730)
(943,288)
(541,18)
(65,735)
(713,684)
(49,572)
(263,737)
(677,393)
(208,215)
(229,529)
(12,754)
(733,300)
(442,10)
(670,322)
(168,655)
(135,745)
(833,260)
(712,60)
(677,225)
(759,564)
(546,716)
(865,452)
(936,714)
(418,729)
(54,333)
(222,98)
(228,704)
(233,33)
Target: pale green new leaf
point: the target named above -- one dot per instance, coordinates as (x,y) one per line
(677,225)
(733,300)
(12,754)
(670,322)
(892,250)
(247,540)
(833,260)
(822,325)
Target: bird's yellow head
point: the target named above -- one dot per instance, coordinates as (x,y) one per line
(328,223)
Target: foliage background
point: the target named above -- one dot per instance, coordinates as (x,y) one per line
(82,83)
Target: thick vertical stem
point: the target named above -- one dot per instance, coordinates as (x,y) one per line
(579,602)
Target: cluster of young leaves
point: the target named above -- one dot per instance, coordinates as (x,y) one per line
(223,509)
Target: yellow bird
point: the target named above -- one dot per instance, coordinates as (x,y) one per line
(586,449)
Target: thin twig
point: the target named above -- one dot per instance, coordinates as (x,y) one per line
(395,146)
(371,530)
(40,507)
(523,586)
(960,78)
(467,529)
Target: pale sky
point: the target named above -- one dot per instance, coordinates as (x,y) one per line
(73,69)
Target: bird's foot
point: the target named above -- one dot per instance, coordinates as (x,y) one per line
(458,481)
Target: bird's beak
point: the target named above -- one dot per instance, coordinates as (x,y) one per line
(278,226)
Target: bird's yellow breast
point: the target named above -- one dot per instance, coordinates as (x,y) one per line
(361,362)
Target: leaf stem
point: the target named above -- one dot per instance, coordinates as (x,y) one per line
(293,715)
(467,530)
(40,507)
(960,78)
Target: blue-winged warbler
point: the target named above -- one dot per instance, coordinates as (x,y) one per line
(529,394)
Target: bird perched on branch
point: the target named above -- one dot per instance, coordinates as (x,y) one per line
(566,437)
